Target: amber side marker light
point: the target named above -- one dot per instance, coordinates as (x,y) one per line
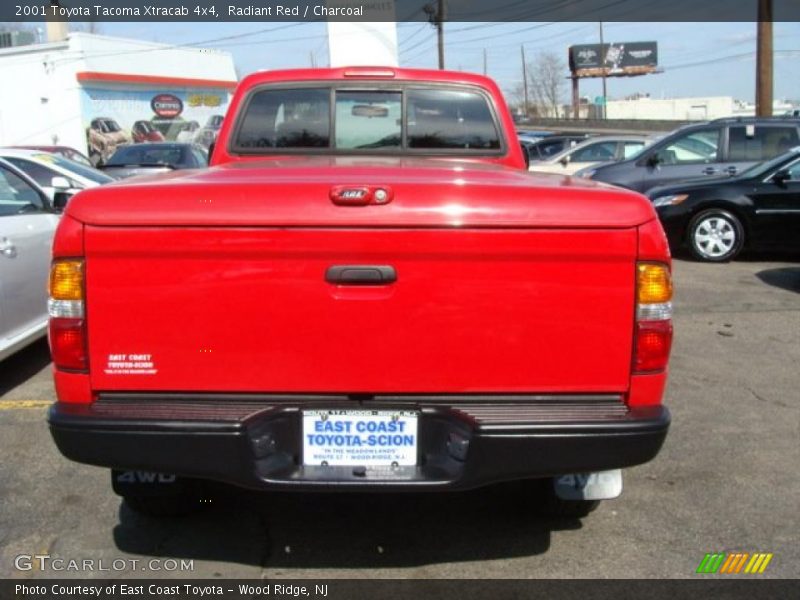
(67,330)
(653,333)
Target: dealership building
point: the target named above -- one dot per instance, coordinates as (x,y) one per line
(94,92)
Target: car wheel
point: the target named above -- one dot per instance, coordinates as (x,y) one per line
(715,235)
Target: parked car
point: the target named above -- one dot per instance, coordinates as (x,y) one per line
(533,136)
(207,135)
(718,218)
(187,132)
(324,308)
(54,173)
(104,136)
(156,157)
(551,145)
(27,225)
(65,151)
(721,147)
(143,131)
(594,150)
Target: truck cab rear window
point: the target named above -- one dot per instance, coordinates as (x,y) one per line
(450,119)
(286,119)
(434,120)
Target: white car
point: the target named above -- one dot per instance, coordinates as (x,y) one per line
(54,173)
(27,225)
(594,150)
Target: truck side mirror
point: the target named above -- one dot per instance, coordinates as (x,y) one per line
(653,160)
(564,161)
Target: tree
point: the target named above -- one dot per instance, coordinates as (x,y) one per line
(547,75)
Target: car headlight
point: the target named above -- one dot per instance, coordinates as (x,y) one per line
(670,200)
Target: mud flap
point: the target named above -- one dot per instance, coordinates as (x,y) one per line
(603,485)
(148,483)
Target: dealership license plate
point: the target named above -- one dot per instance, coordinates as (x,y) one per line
(369,438)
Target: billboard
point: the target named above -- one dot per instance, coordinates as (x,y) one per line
(613,60)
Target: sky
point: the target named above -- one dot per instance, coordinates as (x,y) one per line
(698,59)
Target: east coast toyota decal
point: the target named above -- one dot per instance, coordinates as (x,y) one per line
(167,105)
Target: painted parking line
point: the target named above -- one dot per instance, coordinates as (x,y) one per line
(24,404)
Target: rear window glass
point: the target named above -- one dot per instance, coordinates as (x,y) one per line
(450,119)
(762,143)
(367,119)
(287,119)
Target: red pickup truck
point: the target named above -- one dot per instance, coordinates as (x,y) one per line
(366,290)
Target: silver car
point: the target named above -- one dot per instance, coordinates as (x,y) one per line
(27,224)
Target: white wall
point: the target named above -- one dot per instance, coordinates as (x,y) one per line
(40,96)
(134,57)
(353,44)
(679,109)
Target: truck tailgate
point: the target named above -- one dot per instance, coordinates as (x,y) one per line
(248,309)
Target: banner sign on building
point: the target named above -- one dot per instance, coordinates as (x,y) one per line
(114,117)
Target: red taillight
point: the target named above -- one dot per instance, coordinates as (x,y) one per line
(653,334)
(652,346)
(67,320)
(68,343)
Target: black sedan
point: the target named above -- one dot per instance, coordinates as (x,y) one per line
(717,218)
(156,157)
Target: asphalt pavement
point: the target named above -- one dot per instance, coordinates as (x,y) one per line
(728,479)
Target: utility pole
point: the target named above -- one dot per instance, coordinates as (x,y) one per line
(440,32)
(436,17)
(484,62)
(524,78)
(603,66)
(764,60)
(576,99)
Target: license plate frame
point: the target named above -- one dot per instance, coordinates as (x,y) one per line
(328,440)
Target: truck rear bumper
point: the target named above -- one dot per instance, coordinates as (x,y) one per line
(464,442)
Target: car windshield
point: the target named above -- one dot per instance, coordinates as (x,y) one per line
(148,154)
(112,126)
(77,168)
(75,157)
(761,169)
(638,153)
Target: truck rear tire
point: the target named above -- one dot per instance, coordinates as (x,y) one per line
(548,504)
(170,505)
(573,509)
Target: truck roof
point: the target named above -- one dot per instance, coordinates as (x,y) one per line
(371,73)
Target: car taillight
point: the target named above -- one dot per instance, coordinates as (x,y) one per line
(67,331)
(653,332)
